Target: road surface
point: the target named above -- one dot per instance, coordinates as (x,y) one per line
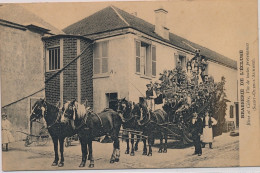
(224,154)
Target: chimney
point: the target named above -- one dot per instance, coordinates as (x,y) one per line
(160,23)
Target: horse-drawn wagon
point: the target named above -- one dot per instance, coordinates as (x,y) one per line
(38,134)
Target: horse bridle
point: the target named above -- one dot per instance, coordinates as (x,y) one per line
(130,113)
(45,114)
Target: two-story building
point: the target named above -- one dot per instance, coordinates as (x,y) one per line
(128,53)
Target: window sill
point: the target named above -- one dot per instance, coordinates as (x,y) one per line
(52,70)
(103,75)
(146,77)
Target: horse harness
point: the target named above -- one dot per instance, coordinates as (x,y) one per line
(45,114)
(84,120)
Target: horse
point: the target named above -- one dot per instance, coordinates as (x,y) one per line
(90,125)
(125,108)
(149,122)
(58,131)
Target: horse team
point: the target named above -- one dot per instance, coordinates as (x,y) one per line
(74,118)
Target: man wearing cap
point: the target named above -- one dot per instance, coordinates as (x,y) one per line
(150,96)
(197,130)
(159,100)
(7,136)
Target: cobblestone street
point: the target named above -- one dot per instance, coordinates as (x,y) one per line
(224,154)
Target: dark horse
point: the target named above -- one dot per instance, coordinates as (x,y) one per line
(130,122)
(58,131)
(90,125)
(152,124)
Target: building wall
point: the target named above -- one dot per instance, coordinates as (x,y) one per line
(67,80)
(165,60)
(217,71)
(117,79)
(70,73)
(86,72)
(52,87)
(131,85)
(21,72)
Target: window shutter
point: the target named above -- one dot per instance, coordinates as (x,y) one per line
(105,56)
(176,57)
(153,61)
(104,65)
(96,66)
(138,60)
(97,62)
(50,60)
(105,49)
(58,58)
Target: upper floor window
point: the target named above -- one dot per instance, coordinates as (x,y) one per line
(101,55)
(180,60)
(145,59)
(54,58)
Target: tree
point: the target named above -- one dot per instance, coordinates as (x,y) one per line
(192,91)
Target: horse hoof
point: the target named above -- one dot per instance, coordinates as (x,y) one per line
(126,152)
(61,164)
(54,164)
(132,154)
(91,165)
(149,154)
(117,160)
(144,153)
(112,161)
(160,151)
(82,164)
(165,150)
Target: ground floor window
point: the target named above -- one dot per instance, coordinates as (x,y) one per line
(112,100)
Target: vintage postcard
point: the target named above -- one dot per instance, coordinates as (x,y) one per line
(130,84)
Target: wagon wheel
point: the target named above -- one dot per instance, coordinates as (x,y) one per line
(28,141)
(42,140)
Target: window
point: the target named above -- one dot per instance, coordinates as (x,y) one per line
(101,58)
(54,58)
(180,59)
(138,57)
(145,59)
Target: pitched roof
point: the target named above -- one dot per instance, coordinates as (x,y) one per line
(19,15)
(112,18)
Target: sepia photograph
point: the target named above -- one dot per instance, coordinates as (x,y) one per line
(129,85)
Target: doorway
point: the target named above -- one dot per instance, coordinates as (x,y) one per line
(112,100)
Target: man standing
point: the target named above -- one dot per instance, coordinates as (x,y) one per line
(159,100)
(196,133)
(150,96)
